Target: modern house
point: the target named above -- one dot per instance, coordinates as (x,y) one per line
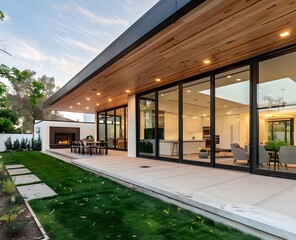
(213,74)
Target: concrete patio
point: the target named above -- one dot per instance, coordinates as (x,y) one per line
(260,205)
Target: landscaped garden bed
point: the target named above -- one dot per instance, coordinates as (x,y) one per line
(91,207)
(16,221)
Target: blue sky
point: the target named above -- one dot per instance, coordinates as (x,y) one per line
(58,38)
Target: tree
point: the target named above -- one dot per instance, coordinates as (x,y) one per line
(27,98)
(30,90)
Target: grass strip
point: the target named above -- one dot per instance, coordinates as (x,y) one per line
(91,207)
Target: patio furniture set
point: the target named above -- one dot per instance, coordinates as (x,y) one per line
(89,147)
(286,155)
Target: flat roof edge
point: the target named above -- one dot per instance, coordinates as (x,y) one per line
(161,15)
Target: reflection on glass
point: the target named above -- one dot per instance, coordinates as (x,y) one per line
(146,144)
(168,123)
(120,128)
(110,128)
(101,121)
(276,104)
(196,120)
(232,117)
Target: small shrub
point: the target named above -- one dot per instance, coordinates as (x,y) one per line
(32,144)
(23,143)
(11,227)
(16,145)
(8,186)
(28,146)
(37,145)
(14,229)
(8,144)
(12,215)
(2,167)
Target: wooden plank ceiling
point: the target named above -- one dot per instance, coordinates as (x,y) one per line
(223,31)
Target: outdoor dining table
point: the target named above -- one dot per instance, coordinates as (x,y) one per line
(274,158)
(101,144)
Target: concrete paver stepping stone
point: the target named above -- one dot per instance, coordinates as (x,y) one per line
(35,191)
(25,179)
(18,171)
(13,166)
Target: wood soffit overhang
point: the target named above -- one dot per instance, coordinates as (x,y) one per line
(223,31)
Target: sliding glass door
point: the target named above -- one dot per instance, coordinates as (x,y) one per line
(112,128)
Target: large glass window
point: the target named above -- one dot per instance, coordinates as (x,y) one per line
(196,120)
(168,129)
(232,117)
(277,113)
(147,144)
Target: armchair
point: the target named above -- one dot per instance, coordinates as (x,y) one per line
(238,152)
(287,155)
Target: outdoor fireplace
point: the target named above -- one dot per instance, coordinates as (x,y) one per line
(64,138)
(61,137)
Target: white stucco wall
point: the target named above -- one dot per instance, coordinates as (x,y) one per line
(131,121)
(43,127)
(4,137)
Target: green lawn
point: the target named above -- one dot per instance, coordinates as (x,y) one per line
(91,207)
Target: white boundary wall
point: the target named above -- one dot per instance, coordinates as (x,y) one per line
(4,137)
(42,128)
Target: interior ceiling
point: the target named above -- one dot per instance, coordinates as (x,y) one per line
(224,31)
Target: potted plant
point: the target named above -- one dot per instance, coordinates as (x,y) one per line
(275,145)
(89,138)
(203,153)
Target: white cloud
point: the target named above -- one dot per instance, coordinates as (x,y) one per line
(80,44)
(131,2)
(91,16)
(26,50)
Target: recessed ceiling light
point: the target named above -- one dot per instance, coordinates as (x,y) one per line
(238,79)
(225,106)
(228,76)
(207,61)
(188,91)
(110,100)
(162,94)
(284,34)
(157,80)
(78,103)
(70,107)
(98,104)
(87,108)
(127,91)
(87,98)
(98,94)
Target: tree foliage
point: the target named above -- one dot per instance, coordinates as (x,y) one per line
(8,119)
(13,74)
(3,97)
(1,15)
